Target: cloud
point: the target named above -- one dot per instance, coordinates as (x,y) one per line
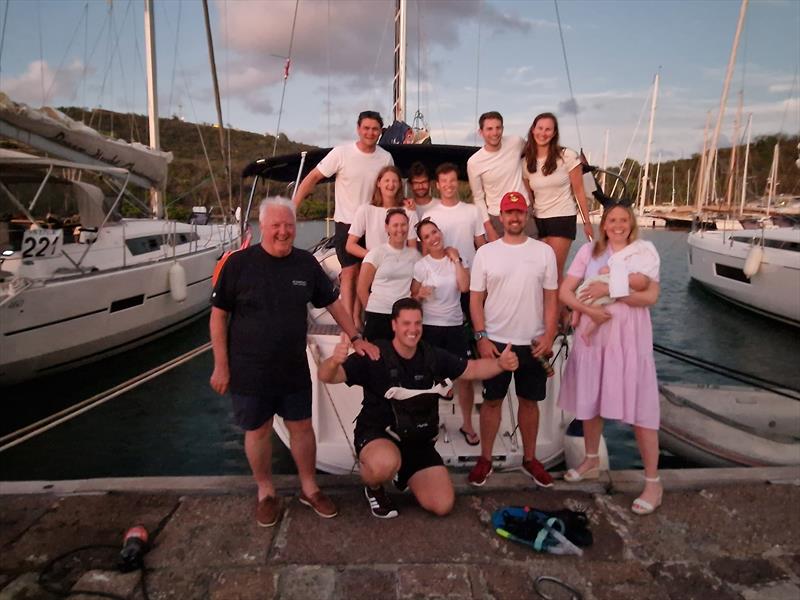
(568,107)
(39,76)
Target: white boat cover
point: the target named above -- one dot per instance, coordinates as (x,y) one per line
(57,128)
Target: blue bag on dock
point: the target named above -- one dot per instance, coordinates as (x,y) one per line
(543,531)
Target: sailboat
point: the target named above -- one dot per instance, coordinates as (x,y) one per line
(335,406)
(78,289)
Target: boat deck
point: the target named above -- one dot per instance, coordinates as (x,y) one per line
(721,533)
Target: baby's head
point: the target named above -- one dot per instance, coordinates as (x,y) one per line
(604,271)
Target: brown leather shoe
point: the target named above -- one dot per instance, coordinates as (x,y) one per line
(267,511)
(321,504)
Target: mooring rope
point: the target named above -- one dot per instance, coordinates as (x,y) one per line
(30,431)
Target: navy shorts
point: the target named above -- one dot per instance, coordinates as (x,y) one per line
(414,456)
(340,233)
(530,378)
(451,338)
(378,326)
(564,227)
(251,412)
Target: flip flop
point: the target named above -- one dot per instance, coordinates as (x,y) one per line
(470,436)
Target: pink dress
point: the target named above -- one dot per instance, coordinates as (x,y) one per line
(614,375)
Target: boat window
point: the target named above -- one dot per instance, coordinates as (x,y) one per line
(143,245)
(734,273)
(183,238)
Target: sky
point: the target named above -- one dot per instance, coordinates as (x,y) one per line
(465,57)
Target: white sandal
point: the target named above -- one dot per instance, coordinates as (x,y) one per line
(643,507)
(574,476)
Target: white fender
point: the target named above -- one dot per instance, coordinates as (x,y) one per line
(753,262)
(574,452)
(177,282)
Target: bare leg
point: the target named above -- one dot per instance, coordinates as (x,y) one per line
(433,489)
(379,460)
(592,430)
(347,279)
(528,415)
(304,451)
(647,439)
(560,246)
(491,413)
(258,449)
(466,402)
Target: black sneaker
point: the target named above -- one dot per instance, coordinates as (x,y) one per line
(379,503)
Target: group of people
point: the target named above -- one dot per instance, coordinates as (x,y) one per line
(418,268)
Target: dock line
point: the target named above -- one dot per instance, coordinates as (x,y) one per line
(30,431)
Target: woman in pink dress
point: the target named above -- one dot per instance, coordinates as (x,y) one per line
(611,374)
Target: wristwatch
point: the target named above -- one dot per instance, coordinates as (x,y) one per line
(355,338)
(481,334)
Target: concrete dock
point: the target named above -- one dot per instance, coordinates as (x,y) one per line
(721,534)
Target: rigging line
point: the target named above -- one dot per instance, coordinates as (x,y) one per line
(41,46)
(477,72)
(174,57)
(569,77)
(419,59)
(285,77)
(3,39)
(112,50)
(630,142)
(379,54)
(85,62)
(64,56)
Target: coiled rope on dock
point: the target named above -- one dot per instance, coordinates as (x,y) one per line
(748,378)
(34,429)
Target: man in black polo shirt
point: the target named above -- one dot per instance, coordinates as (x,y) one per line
(398,423)
(258,333)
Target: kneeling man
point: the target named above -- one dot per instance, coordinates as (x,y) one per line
(396,430)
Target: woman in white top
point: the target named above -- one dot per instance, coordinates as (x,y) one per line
(440,278)
(386,275)
(368,221)
(553,175)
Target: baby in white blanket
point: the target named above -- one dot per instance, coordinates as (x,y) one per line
(630,269)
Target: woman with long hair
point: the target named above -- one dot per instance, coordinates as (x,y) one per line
(439,280)
(611,374)
(368,221)
(386,275)
(553,176)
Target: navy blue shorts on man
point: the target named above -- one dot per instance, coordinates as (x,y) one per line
(251,412)
(530,379)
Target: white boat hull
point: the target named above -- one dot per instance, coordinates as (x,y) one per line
(730,425)
(717,262)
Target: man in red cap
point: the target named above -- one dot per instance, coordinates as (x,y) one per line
(514,300)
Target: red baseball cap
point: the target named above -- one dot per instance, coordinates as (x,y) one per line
(513,201)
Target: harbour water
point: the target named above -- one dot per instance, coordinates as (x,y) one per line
(176,425)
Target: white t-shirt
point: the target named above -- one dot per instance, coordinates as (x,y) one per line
(422,209)
(370,221)
(356,172)
(459,225)
(514,277)
(552,194)
(493,174)
(393,272)
(443,306)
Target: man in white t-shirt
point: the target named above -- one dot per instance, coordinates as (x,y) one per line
(514,300)
(462,228)
(356,166)
(420,183)
(494,170)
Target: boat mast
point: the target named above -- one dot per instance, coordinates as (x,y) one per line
(672,201)
(698,194)
(732,169)
(605,163)
(643,190)
(706,177)
(746,159)
(658,171)
(156,195)
(399,107)
(773,177)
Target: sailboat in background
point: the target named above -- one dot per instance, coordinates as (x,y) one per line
(79,288)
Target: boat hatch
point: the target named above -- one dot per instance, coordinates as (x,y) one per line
(118,305)
(730,272)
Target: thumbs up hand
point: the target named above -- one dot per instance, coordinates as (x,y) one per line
(342,349)
(508,360)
